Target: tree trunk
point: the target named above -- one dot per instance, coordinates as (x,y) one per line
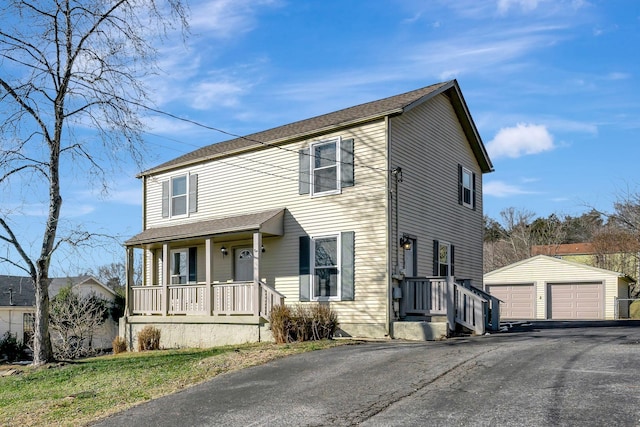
(42,350)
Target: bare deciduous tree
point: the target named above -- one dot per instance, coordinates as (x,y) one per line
(71,93)
(74,321)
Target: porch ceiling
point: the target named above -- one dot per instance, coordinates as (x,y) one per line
(269,222)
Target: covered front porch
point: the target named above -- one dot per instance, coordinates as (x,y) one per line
(187,275)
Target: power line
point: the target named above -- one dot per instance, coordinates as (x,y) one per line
(295,173)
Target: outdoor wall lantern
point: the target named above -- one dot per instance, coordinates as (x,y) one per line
(405,242)
(262,249)
(224,251)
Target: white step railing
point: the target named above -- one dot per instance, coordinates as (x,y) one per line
(460,302)
(269,298)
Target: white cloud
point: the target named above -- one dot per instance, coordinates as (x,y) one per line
(226,18)
(525,5)
(521,140)
(220,93)
(501,189)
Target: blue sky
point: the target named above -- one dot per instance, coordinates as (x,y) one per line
(552,85)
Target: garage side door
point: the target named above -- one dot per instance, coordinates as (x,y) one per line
(576,301)
(519,301)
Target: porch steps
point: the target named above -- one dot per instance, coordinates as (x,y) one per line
(419,330)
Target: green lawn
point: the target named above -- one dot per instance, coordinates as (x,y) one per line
(77,393)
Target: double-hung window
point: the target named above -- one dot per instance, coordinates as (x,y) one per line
(326,167)
(327,267)
(325,173)
(180,195)
(326,275)
(443,258)
(466,187)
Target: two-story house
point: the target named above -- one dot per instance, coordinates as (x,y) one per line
(375,210)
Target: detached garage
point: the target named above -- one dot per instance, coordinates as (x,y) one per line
(544,287)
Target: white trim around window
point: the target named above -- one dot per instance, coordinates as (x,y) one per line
(326,280)
(180,196)
(444,258)
(467,188)
(325,170)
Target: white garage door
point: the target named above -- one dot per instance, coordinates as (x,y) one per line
(576,301)
(518,301)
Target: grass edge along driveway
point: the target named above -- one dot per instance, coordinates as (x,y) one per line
(83,391)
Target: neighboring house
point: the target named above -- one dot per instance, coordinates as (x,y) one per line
(544,287)
(17,305)
(613,258)
(85,286)
(355,209)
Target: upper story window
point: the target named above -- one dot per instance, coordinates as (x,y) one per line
(325,173)
(180,195)
(466,187)
(326,167)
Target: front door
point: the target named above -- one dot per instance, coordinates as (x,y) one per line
(243,264)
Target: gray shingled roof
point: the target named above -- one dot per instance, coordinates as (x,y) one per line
(272,219)
(17,291)
(23,293)
(348,116)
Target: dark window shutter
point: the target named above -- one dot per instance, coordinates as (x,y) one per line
(165,199)
(346,165)
(305,268)
(451,260)
(460,186)
(473,191)
(436,253)
(193,262)
(347,265)
(304,176)
(193,193)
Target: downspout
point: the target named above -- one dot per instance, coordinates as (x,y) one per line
(389,231)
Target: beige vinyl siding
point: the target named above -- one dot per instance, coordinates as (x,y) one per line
(268,179)
(12,320)
(543,271)
(428,143)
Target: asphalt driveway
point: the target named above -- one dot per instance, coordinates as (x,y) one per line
(546,374)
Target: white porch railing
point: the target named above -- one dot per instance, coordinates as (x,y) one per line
(146,299)
(188,299)
(424,296)
(232,298)
(460,302)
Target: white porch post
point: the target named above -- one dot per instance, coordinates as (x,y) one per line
(208,273)
(166,275)
(257,252)
(128,302)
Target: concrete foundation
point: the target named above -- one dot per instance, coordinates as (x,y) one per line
(197,335)
(419,331)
